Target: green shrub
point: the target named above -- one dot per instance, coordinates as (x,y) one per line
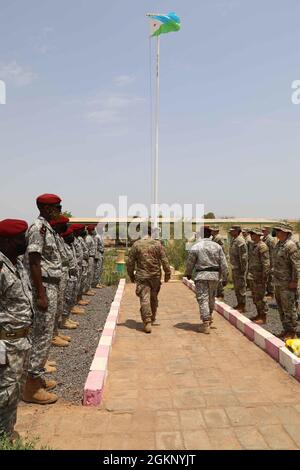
(177,254)
(110,276)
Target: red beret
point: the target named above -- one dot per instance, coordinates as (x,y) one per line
(60,220)
(48,199)
(67,232)
(91,227)
(77,227)
(10,228)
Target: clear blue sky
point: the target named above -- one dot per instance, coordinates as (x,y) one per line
(77,118)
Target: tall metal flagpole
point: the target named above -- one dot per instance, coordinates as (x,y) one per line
(156,137)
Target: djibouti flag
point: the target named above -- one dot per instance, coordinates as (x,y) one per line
(160,24)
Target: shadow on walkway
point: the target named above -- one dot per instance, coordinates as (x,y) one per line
(188,326)
(133,325)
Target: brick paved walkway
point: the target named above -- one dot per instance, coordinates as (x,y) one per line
(178,389)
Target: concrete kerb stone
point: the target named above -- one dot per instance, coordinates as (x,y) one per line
(94,385)
(262,338)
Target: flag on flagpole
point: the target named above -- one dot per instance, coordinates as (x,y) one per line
(160,24)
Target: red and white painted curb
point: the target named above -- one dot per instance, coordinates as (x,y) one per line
(94,385)
(272,345)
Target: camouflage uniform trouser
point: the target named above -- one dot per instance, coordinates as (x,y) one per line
(78,283)
(12,379)
(270,286)
(61,299)
(84,278)
(220,290)
(239,282)
(91,271)
(147,290)
(286,301)
(42,332)
(258,290)
(205,295)
(70,295)
(97,271)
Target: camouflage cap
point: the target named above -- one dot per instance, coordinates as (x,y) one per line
(257,231)
(215,228)
(266,227)
(235,227)
(245,230)
(284,228)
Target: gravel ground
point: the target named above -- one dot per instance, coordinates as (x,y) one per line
(273,319)
(73,362)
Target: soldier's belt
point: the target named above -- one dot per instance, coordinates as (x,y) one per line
(51,280)
(212,269)
(22,333)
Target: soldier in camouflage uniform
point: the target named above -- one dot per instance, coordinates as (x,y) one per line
(91,244)
(271,243)
(216,237)
(238,254)
(147,256)
(258,273)
(70,292)
(60,226)
(209,261)
(84,289)
(99,254)
(286,270)
(16,313)
(44,263)
(247,238)
(77,246)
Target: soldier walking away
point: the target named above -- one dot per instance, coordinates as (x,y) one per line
(238,254)
(217,238)
(16,315)
(209,262)
(258,274)
(271,243)
(286,271)
(147,256)
(44,263)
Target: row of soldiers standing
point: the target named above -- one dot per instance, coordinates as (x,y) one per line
(44,272)
(269,265)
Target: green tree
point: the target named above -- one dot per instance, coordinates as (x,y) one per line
(67,214)
(209,215)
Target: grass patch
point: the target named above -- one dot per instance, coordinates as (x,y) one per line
(20,444)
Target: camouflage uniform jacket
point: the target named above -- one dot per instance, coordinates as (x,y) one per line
(219,240)
(238,254)
(286,263)
(85,251)
(90,243)
(99,246)
(63,253)
(209,261)
(16,307)
(259,262)
(72,261)
(79,252)
(42,240)
(271,243)
(147,255)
